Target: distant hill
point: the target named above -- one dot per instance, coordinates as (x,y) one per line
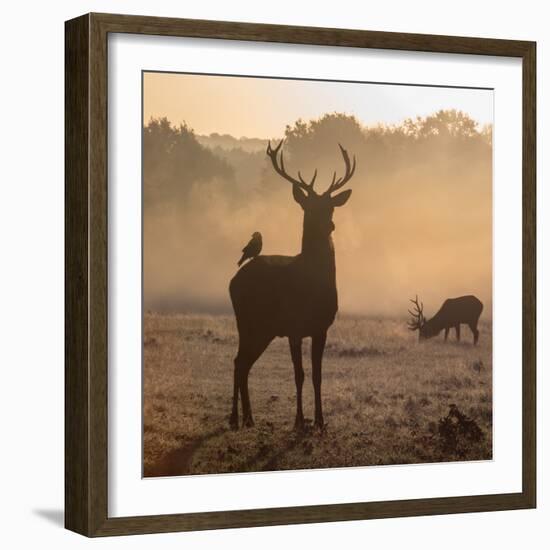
(228,142)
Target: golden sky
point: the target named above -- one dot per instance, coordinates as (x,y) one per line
(261,107)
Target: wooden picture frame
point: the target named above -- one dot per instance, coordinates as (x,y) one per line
(86,278)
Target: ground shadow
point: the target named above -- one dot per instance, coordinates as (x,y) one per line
(178,461)
(271,457)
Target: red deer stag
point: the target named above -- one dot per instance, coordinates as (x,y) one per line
(290,296)
(452,313)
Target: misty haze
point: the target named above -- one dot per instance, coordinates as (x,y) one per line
(420,221)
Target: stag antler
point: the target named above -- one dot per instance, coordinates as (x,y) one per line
(280,169)
(350,169)
(418,316)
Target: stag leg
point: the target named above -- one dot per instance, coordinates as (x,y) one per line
(296,354)
(249,351)
(475,332)
(446,333)
(457,328)
(317,349)
(248,421)
(234,418)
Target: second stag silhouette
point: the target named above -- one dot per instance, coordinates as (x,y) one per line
(454,312)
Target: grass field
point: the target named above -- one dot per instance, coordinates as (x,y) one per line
(386,398)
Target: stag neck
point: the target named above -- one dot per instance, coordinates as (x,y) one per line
(318,249)
(434,323)
(432,327)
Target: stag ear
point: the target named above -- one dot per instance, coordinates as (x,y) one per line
(341,198)
(299,196)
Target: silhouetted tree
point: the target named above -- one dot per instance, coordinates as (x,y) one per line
(173,160)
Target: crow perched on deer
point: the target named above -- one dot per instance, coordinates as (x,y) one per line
(252,249)
(453,313)
(290,296)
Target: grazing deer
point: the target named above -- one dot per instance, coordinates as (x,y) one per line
(452,313)
(290,296)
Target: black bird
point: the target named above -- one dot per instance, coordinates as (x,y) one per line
(252,249)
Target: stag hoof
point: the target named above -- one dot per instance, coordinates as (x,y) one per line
(320,426)
(299,424)
(248,422)
(234,422)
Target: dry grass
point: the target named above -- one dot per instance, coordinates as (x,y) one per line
(384,395)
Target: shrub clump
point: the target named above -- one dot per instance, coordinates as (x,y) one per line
(457,432)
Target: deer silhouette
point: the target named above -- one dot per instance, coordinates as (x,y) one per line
(290,296)
(453,312)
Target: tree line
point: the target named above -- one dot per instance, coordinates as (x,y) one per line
(175,158)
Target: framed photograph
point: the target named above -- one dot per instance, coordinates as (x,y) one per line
(300,274)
